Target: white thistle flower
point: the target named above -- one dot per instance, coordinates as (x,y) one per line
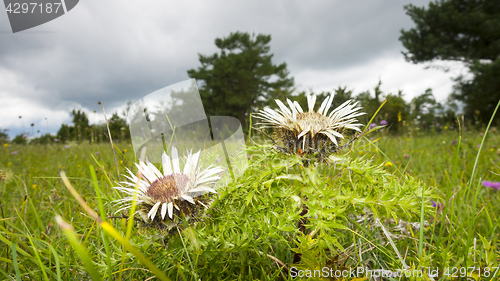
(162,193)
(293,125)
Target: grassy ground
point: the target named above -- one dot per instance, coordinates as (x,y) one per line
(360,213)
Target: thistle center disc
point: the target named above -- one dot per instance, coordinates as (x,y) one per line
(167,188)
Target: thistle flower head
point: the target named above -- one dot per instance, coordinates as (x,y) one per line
(310,130)
(174,188)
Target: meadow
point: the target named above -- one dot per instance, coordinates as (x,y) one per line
(364,209)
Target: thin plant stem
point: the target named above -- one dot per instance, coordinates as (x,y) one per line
(110,139)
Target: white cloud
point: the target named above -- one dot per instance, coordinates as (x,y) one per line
(394,72)
(45,118)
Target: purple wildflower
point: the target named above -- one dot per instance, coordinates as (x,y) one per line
(454,142)
(373,125)
(56,140)
(434,203)
(14,152)
(495,184)
(25,136)
(383,122)
(406,156)
(66,146)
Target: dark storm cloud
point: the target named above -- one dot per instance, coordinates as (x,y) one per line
(342,33)
(119,51)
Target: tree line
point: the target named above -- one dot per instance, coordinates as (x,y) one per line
(80,130)
(422,113)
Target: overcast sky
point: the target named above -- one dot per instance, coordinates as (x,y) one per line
(116,51)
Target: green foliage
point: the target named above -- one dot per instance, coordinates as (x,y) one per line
(82,131)
(423,113)
(119,128)
(480,94)
(80,119)
(466,31)
(426,110)
(361,207)
(4,138)
(20,139)
(240,77)
(44,139)
(79,130)
(463,30)
(251,229)
(393,112)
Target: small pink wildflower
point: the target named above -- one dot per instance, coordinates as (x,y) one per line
(495,184)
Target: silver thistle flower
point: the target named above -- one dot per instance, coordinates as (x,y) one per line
(164,192)
(293,125)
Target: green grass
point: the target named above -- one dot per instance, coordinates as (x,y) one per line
(251,230)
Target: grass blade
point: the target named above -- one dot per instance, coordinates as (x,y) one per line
(14,262)
(103,216)
(79,248)
(421,230)
(129,247)
(56,258)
